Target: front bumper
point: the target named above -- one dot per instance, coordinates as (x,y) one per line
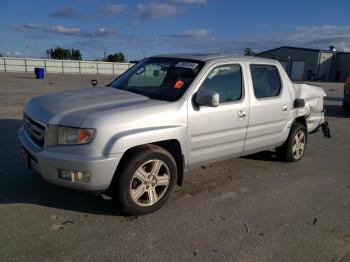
(47,162)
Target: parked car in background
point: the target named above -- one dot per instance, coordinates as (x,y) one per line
(166,115)
(346,100)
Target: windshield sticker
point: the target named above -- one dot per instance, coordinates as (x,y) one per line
(187,65)
(179,84)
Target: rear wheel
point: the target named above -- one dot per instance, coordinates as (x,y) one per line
(294,148)
(147,180)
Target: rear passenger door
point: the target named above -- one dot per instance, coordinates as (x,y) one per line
(270,105)
(219,132)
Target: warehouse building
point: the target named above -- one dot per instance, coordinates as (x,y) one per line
(312,64)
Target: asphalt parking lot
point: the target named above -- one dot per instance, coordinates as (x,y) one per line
(248,209)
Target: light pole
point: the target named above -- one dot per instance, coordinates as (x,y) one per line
(289,66)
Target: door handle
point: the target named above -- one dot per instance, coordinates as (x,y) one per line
(242,115)
(284,108)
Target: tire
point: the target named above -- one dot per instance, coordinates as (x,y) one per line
(346,107)
(146,181)
(294,148)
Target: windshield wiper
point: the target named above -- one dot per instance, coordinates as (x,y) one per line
(139,92)
(136,91)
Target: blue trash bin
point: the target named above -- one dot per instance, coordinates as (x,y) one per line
(39,72)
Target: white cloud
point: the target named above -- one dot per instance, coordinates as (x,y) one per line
(191,33)
(14,54)
(158,10)
(343,46)
(103,32)
(113,9)
(190,1)
(319,37)
(32,26)
(196,33)
(67,12)
(59,29)
(30,46)
(66,30)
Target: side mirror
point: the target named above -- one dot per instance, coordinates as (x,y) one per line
(207,98)
(93,82)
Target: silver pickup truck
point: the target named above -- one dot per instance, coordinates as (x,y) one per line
(167,114)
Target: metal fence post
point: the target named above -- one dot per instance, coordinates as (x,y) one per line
(5,64)
(113,69)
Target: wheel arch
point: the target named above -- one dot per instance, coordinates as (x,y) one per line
(300,120)
(172,146)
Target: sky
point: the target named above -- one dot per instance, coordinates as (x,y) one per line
(141,28)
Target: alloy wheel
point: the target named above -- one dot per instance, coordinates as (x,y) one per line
(150,182)
(298,145)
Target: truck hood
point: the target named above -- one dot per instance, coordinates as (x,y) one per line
(71,108)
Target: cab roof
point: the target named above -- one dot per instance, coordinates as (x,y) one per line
(216,57)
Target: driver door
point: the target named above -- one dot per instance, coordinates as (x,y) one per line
(219,132)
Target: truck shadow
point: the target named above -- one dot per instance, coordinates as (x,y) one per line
(269,155)
(19,185)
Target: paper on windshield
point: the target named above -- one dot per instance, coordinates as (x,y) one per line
(187,65)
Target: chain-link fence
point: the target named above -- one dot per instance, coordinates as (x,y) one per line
(9,64)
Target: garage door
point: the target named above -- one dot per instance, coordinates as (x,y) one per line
(297,71)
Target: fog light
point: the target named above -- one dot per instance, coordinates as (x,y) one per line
(78,176)
(82,176)
(64,174)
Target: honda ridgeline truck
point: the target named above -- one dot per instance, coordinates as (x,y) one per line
(167,114)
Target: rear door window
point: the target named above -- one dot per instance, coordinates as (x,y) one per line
(266,81)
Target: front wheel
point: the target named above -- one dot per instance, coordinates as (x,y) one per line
(294,148)
(147,180)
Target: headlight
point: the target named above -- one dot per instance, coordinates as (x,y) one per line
(73,136)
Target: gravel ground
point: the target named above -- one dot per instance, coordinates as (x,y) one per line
(246,209)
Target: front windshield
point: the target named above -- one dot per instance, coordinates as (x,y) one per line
(159,78)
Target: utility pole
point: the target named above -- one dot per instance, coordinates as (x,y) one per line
(104,55)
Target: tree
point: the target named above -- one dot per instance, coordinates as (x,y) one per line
(249,52)
(117,57)
(64,54)
(76,55)
(1,55)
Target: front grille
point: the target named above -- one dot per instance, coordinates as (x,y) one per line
(35,130)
